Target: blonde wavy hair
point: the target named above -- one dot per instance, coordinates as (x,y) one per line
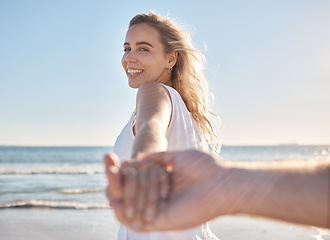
(187,74)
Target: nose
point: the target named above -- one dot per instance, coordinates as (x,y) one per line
(129,57)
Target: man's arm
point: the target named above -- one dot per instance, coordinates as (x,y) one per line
(293,191)
(207,188)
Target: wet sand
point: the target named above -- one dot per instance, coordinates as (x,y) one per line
(50,224)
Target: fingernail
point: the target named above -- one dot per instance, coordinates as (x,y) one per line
(129,212)
(113,169)
(137,225)
(149,214)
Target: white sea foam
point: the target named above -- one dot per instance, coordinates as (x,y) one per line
(51,169)
(81,190)
(54,204)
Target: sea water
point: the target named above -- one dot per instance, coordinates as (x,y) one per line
(52,177)
(73,177)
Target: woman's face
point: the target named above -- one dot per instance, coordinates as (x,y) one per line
(144,59)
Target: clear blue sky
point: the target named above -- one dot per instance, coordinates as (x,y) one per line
(61,81)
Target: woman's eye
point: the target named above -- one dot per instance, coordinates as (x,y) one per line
(127,49)
(144,49)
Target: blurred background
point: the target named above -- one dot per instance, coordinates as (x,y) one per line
(62,83)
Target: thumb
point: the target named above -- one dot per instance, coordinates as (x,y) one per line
(165,158)
(112,166)
(111,159)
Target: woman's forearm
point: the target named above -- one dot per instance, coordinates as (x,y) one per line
(149,138)
(154,109)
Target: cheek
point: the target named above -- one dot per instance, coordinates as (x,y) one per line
(123,62)
(157,64)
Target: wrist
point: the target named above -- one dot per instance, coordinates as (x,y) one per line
(236,186)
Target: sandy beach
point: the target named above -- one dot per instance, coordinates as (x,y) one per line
(50,224)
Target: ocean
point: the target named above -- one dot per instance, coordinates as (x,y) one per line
(67,184)
(52,177)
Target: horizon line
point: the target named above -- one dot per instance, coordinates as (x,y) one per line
(223,145)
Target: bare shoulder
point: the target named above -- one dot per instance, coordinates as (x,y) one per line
(153,103)
(150,87)
(153,91)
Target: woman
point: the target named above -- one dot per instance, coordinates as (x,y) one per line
(171,114)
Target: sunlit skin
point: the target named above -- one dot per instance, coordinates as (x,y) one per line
(146,64)
(144,59)
(204,187)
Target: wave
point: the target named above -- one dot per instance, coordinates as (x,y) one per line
(54,204)
(51,169)
(81,190)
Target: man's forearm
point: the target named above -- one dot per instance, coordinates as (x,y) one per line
(290,191)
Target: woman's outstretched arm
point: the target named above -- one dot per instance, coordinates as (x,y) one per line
(153,113)
(144,183)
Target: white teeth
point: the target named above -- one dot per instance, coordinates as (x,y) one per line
(134,71)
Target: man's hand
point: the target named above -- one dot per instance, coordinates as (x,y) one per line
(194,192)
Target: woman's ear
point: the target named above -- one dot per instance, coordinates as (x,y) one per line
(172,58)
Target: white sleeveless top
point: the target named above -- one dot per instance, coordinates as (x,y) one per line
(181,134)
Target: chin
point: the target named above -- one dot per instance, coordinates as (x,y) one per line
(133,84)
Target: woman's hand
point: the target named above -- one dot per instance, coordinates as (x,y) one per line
(145,184)
(114,188)
(138,186)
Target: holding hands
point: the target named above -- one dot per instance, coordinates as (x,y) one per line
(135,189)
(164,191)
(180,190)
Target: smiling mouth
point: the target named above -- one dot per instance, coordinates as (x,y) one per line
(134,72)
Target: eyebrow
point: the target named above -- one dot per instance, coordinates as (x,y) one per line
(140,43)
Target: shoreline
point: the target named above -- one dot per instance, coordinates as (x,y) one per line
(100,224)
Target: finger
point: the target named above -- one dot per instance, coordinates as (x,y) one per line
(114,202)
(141,190)
(108,194)
(164,183)
(165,158)
(110,198)
(111,159)
(129,179)
(152,196)
(119,210)
(112,165)
(164,220)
